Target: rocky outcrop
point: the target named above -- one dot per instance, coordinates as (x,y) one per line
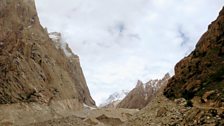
(161,111)
(142,94)
(35,71)
(196,91)
(200,76)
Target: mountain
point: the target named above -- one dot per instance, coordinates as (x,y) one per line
(200,76)
(194,95)
(142,94)
(114,99)
(37,74)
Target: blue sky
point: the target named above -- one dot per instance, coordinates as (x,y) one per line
(122,41)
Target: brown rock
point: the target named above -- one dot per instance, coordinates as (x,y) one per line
(203,70)
(135,98)
(109,121)
(199,79)
(33,71)
(142,94)
(161,112)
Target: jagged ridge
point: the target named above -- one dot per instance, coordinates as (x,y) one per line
(142,94)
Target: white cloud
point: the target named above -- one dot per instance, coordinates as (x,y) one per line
(121,41)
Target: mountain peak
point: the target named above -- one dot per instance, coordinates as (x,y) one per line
(139,84)
(142,94)
(167,76)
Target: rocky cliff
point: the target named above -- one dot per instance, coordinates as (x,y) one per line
(200,76)
(195,92)
(33,68)
(142,94)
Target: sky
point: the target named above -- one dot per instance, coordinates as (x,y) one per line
(122,41)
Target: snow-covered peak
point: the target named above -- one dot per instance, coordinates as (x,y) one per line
(153,83)
(60,43)
(157,83)
(115,97)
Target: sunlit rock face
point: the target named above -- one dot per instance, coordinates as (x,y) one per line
(142,94)
(33,68)
(195,92)
(200,76)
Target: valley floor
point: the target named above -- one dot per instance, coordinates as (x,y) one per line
(95,117)
(160,112)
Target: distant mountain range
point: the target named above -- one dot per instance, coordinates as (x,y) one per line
(138,97)
(142,94)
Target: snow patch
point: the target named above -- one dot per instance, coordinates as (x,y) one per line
(59,43)
(88,107)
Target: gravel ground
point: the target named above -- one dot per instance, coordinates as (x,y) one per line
(68,121)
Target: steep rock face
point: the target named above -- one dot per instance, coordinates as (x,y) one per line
(32,69)
(201,74)
(74,69)
(142,94)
